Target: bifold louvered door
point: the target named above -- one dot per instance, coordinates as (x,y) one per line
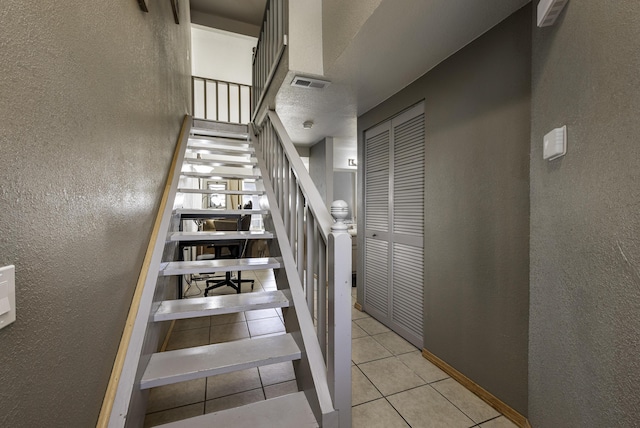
(394,223)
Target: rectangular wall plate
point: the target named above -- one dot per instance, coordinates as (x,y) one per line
(7,295)
(555,144)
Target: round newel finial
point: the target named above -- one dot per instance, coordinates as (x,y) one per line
(339,211)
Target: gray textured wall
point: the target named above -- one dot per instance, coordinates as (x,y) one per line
(93,95)
(584,369)
(477,116)
(321,168)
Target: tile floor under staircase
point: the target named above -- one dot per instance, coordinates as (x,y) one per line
(393,385)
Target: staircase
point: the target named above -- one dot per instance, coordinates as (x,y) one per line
(223,151)
(226,150)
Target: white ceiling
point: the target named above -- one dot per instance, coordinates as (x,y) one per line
(399,42)
(247,11)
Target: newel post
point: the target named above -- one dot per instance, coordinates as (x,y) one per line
(339,353)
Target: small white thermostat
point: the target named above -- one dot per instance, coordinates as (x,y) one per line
(555,144)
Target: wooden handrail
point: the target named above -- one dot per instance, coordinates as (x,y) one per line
(123,348)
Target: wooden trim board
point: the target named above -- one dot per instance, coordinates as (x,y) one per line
(118,364)
(502,407)
(358,306)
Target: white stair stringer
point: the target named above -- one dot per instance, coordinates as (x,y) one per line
(287,411)
(169,367)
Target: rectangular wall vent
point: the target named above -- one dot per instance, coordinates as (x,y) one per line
(309,82)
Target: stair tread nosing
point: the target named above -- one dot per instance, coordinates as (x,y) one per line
(220,305)
(165,368)
(286,411)
(219,235)
(221,265)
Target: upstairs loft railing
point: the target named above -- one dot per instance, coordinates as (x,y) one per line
(321,251)
(221,101)
(270,48)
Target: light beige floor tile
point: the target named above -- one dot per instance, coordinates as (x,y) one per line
(227,318)
(390,375)
(465,400)
(362,390)
(500,422)
(356,331)
(176,395)
(277,373)
(356,314)
(394,343)
(371,325)
(235,400)
(229,332)
(189,323)
(423,367)
(260,314)
(424,407)
(188,338)
(366,349)
(284,388)
(265,326)
(376,414)
(232,383)
(172,415)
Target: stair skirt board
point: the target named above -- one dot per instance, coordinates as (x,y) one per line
(169,367)
(287,411)
(220,305)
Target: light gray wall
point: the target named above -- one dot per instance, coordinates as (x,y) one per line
(93,95)
(321,168)
(477,130)
(584,369)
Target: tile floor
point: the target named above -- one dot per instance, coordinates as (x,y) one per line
(392,384)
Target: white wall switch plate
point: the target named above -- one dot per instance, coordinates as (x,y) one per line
(548,11)
(555,144)
(7,295)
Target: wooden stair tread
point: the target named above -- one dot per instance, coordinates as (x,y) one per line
(181,365)
(218,162)
(221,192)
(222,265)
(214,213)
(225,175)
(219,305)
(198,131)
(219,235)
(220,148)
(224,139)
(286,411)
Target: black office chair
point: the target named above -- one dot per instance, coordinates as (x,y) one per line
(231,250)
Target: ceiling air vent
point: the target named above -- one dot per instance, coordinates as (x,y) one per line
(309,82)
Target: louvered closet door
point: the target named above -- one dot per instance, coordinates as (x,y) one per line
(376,262)
(394,223)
